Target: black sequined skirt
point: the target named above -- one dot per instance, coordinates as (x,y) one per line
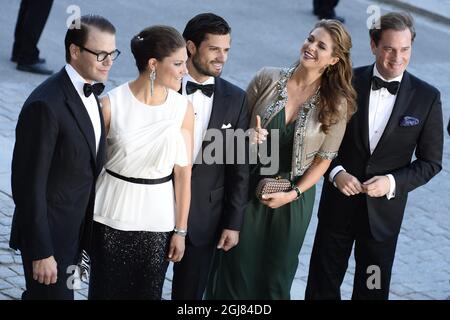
(127,264)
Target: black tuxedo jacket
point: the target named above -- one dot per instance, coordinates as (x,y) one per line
(54,169)
(392,155)
(219,190)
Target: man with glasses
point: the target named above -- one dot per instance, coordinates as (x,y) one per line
(58,155)
(101,56)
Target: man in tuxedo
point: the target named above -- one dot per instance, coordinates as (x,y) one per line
(366,188)
(29,26)
(58,154)
(219,190)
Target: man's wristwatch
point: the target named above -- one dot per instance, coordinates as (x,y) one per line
(180,232)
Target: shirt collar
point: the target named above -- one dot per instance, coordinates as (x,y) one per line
(377,74)
(77,80)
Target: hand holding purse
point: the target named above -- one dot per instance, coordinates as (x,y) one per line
(272,185)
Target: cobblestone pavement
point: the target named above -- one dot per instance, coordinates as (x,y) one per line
(422,265)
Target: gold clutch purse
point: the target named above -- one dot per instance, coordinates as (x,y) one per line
(272,185)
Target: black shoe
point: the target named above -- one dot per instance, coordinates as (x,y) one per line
(38,68)
(338,18)
(40,60)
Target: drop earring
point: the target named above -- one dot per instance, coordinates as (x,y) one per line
(152,81)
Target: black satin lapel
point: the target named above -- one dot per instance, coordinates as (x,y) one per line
(79,112)
(363,89)
(84,123)
(218,112)
(101,155)
(219,107)
(402,102)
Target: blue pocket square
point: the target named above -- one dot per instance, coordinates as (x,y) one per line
(408,121)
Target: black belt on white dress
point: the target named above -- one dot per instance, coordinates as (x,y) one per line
(140,180)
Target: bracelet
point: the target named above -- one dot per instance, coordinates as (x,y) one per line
(299,192)
(180,232)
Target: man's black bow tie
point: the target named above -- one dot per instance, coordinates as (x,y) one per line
(206,89)
(378,83)
(96,88)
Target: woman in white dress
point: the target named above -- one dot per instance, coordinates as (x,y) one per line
(143,195)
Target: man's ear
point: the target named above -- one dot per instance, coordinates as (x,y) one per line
(373,46)
(74,51)
(191,48)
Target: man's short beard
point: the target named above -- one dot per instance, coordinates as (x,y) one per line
(200,69)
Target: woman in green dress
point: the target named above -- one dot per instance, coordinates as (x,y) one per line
(301,112)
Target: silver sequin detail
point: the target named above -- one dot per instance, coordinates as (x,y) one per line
(128,264)
(282,96)
(300,132)
(301,122)
(327,155)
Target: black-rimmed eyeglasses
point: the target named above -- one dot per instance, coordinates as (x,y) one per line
(101,56)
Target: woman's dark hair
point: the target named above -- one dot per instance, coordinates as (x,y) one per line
(197,28)
(156,42)
(398,21)
(79,35)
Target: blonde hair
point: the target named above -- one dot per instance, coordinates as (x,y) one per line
(336,83)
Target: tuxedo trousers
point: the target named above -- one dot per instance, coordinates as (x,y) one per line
(331,251)
(324,8)
(190,275)
(29,26)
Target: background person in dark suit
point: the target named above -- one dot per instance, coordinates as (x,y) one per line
(219,191)
(57,157)
(398,115)
(324,9)
(29,26)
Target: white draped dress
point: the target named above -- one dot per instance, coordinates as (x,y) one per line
(143,142)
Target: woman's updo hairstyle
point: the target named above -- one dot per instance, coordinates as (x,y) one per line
(156,42)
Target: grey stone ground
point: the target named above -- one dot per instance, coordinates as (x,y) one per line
(264,33)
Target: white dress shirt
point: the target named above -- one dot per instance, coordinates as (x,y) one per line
(90,103)
(202,105)
(381,104)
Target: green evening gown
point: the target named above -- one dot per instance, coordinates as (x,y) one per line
(264,263)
